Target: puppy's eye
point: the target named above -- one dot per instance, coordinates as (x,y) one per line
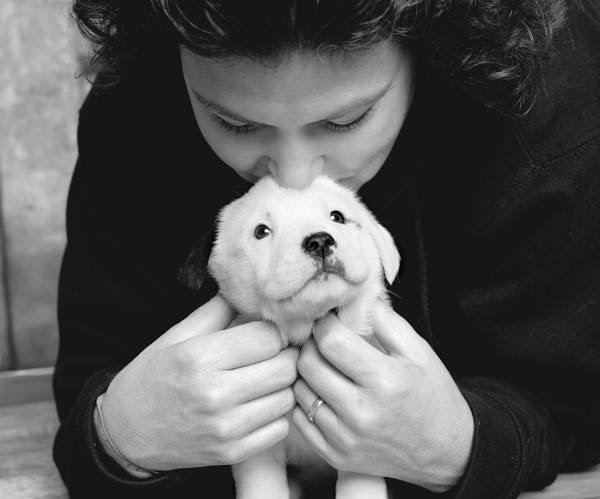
(337,217)
(261,231)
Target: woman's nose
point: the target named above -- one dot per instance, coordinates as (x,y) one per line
(295,164)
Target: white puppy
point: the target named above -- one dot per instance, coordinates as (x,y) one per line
(291,256)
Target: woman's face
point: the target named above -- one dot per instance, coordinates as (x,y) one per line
(303,116)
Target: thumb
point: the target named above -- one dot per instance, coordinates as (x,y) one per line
(394,332)
(215,315)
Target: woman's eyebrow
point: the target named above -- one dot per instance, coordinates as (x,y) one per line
(358,104)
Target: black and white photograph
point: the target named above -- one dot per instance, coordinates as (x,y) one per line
(300,249)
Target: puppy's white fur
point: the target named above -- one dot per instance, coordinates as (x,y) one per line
(269,274)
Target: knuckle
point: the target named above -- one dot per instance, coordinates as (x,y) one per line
(288,371)
(185,359)
(237,425)
(392,385)
(212,400)
(358,421)
(230,454)
(222,430)
(387,387)
(278,429)
(281,404)
(303,364)
(262,334)
(282,429)
(363,419)
(271,339)
(400,387)
(291,356)
(331,342)
(351,445)
(289,399)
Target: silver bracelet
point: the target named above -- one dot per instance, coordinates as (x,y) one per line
(110,448)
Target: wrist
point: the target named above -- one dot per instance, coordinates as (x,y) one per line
(457,450)
(111,450)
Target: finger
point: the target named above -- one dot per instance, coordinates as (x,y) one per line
(329,383)
(305,396)
(259,440)
(260,379)
(214,315)
(394,332)
(250,416)
(239,320)
(331,427)
(346,350)
(242,345)
(312,434)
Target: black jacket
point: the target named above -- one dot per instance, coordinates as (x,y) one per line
(497,221)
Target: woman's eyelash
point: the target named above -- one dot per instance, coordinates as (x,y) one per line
(336,127)
(349,126)
(237,129)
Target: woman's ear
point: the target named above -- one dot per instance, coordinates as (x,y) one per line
(192,273)
(384,242)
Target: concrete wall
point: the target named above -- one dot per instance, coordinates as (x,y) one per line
(39,99)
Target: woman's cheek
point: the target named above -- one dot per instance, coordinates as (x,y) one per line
(238,153)
(235,156)
(390,126)
(371,145)
(225,147)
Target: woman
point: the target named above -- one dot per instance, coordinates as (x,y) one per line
(470,129)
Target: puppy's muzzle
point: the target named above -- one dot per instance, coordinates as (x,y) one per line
(319,245)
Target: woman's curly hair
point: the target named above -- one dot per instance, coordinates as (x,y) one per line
(490,48)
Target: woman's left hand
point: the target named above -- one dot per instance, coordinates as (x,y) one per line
(397,414)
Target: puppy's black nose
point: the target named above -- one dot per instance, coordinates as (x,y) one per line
(319,244)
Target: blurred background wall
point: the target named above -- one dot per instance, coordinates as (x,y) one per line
(40,53)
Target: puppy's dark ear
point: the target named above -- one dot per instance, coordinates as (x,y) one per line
(195,267)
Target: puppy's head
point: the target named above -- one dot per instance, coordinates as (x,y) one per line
(293,255)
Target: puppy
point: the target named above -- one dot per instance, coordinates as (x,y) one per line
(290,257)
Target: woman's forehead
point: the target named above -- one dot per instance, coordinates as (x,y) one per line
(302,84)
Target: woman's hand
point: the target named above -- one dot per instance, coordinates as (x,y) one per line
(397,415)
(203,395)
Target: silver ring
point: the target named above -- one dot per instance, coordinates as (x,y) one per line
(313,410)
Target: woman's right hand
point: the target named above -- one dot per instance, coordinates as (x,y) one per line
(201,394)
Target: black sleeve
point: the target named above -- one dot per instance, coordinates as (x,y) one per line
(135,208)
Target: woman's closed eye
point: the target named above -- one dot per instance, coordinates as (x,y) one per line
(349,125)
(241,128)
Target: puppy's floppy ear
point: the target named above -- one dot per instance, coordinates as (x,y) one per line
(384,242)
(195,267)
